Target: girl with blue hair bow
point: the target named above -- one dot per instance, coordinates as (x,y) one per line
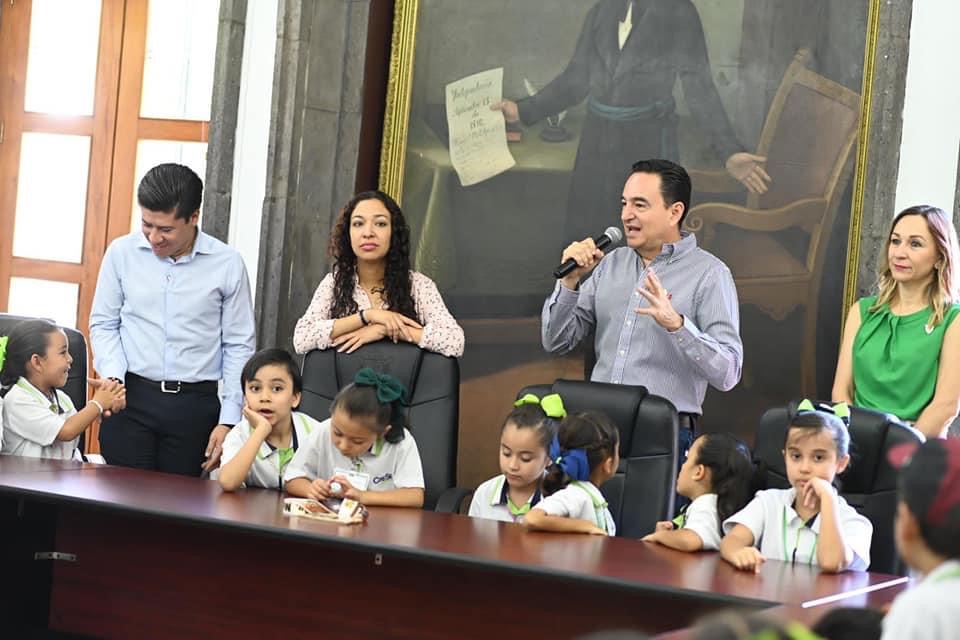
(583,457)
(525,440)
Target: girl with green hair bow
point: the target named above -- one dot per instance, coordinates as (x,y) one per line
(525,439)
(363,451)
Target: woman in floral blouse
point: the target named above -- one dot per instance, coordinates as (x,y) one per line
(371,293)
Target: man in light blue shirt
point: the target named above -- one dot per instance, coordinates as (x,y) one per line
(172,318)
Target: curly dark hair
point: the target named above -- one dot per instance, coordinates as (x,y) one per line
(396,275)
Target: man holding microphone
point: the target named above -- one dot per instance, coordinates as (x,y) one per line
(665,312)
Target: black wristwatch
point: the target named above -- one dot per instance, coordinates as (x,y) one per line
(362,318)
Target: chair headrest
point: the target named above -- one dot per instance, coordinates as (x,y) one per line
(630,407)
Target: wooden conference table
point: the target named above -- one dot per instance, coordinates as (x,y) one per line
(156,555)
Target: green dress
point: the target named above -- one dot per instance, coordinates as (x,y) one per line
(896,360)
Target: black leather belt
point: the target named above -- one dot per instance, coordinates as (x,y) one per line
(689,421)
(174,386)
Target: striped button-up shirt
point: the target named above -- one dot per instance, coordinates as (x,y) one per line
(634,349)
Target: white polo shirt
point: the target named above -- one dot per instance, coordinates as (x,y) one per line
(581,500)
(389,465)
(491,500)
(929,610)
(268,467)
(784,536)
(31,423)
(700,516)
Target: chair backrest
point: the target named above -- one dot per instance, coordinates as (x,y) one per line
(643,490)
(869,484)
(76,386)
(807,138)
(433,384)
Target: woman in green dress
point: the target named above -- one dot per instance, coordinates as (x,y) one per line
(901,348)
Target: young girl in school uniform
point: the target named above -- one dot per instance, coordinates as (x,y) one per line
(807,523)
(584,455)
(524,443)
(258,449)
(39,420)
(362,452)
(717,477)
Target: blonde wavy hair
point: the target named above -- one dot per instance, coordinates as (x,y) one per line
(942,288)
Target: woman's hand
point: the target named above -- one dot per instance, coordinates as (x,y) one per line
(395,323)
(350,342)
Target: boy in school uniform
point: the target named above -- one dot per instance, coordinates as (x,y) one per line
(268,466)
(927,532)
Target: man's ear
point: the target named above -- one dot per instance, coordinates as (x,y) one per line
(296,399)
(676,212)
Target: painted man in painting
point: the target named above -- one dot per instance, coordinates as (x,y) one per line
(628,58)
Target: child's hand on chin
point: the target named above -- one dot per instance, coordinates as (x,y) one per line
(256,420)
(812,492)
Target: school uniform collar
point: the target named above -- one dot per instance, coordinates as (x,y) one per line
(59,405)
(593,491)
(374,451)
(947,570)
(501,497)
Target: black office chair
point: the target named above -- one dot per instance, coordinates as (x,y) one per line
(642,491)
(433,383)
(76,386)
(869,484)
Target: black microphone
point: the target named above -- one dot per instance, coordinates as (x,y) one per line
(611,236)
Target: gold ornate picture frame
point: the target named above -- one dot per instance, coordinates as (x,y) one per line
(467,238)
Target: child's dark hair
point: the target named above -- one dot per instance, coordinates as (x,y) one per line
(267,357)
(821,420)
(850,623)
(591,431)
(26,338)
(731,472)
(377,396)
(532,416)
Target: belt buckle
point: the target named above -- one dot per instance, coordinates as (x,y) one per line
(163,387)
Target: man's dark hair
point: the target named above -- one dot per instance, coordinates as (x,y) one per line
(674,182)
(171,187)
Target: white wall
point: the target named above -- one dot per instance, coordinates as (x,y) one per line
(253,132)
(931,111)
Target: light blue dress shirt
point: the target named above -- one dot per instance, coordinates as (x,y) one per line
(189,320)
(634,349)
